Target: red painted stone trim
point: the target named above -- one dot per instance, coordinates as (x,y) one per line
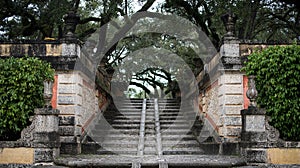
(245,88)
(54,95)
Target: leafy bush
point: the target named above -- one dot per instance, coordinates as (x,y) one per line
(21,90)
(277,71)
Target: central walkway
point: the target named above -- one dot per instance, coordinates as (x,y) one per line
(147,133)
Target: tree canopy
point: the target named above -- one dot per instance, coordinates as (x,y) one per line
(268,20)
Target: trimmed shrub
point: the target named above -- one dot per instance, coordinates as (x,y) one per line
(277,71)
(21,90)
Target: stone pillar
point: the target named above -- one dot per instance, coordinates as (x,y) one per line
(230,83)
(46,141)
(69,102)
(254,132)
(254,135)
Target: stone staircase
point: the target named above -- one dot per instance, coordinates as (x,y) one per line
(149,133)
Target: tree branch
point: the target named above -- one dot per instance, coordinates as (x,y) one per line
(147,5)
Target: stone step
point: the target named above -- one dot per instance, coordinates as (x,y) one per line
(171,117)
(150,143)
(170,131)
(117,142)
(115,131)
(151,161)
(119,121)
(184,145)
(175,126)
(131,113)
(164,122)
(136,117)
(186,151)
(168,114)
(126,126)
(177,137)
(123,137)
(127,151)
(126,145)
(172,143)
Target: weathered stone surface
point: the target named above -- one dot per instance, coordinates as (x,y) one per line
(230,50)
(254,137)
(234,131)
(231,89)
(229,78)
(232,109)
(255,123)
(231,60)
(69,148)
(69,89)
(66,120)
(256,155)
(67,139)
(46,137)
(233,120)
(70,49)
(43,155)
(69,78)
(66,100)
(231,99)
(66,130)
(69,109)
(230,149)
(33,49)
(46,123)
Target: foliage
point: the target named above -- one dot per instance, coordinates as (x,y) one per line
(23,19)
(21,90)
(277,72)
(270,20)
(158,78)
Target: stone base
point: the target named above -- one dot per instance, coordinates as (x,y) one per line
(70,148)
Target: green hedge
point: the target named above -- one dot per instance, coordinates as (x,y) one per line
(21,90)
(277,71)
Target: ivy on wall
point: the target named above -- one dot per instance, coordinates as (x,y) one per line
(277,71)
(21,90)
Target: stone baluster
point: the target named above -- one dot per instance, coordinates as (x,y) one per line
(254,136)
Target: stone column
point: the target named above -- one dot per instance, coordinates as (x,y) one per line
(254,136)
(230,83)
(254,132)
(46,141)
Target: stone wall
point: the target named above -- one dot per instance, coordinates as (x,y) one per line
(75,93)
(222,95)
(39,142)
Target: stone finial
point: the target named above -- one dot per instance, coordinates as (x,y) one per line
(229,20)
(251,92)
(71,21)
(48,85)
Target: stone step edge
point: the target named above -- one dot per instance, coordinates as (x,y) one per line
(150,160)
